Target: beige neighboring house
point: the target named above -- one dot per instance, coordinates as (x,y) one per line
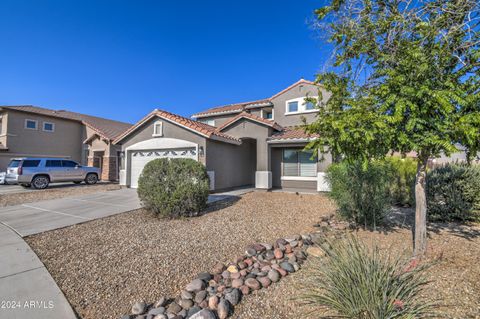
(38,132)
(256,143)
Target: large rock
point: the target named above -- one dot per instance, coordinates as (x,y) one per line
(204,314)
(213,302)
(278,253)
(237,283)
(234,296)
(186,303)
(223,309)
(274,275)
(315,251)
(174,308)
(205,276)
(193,311)
(264,281)
(156,311)
(196,285)
(287,266)
(252,284)
(200,296)
(139,308)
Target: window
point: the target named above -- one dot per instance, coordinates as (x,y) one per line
(267,114)
(14,163)
(292,107)
(69,164)
(30,163)
(53,163)
(309,106)
(48,127)
(158,128)
(207,121)
(297,162)
(31,124)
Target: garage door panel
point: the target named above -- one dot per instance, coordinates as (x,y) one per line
(140,158)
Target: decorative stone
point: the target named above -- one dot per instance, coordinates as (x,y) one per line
(193,311)
(213,302)
(282,272)
(182,313)
(232,269)
(234,296)
(237,283)
(160,316)
(252,283)
(221,288)
(264,281)
(223,309)
(281,242)
(186,294)
(294,243)
(258,247)
(267,246)
(156,311)
(161,302)
(266,268)
(315,251)
(204,314)
(251,251)
(205,276)
(195,285)
(278,253)
(242,265)
(245,290)
(287,266)
(296,266)
(288,249)
(269,255)
(203,304)
(174,308)
(218,269)
(249,262)
(139,308)
(186,303)
(274,275)
(235,275)
(200,296)
(226,274)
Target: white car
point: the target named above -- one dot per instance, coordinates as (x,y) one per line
(2,178)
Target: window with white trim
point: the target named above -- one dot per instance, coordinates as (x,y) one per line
(158,128)
(48,127)
(210,122)
(297,162)
(31,124)
(299,105)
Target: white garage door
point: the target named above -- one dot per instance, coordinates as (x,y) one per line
(141,158)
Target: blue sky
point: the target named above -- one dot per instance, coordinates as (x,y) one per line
(121,59)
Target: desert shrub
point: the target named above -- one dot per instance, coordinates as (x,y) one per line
(354,281)
(360,190)
(174,187)
(453,193)
(402,183)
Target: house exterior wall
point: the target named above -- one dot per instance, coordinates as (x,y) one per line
(65,141)
(219,119)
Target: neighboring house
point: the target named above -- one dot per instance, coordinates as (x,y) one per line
(254,143)
(35,131)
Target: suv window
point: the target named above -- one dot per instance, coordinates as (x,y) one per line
(69,164)
(14,163)
(53,163)
(30,163)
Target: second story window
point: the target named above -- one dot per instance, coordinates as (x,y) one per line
(292,107)
(158,128)
(31,124)
(48,127)
(309,106)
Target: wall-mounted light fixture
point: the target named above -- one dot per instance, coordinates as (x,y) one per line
(201,152)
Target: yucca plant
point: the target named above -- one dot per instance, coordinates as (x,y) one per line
(353,281)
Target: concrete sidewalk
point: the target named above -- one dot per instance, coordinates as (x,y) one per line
(26,288)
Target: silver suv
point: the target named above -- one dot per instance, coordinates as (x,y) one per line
(39,172)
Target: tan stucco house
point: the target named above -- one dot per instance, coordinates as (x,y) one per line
(35,131)
(254,143)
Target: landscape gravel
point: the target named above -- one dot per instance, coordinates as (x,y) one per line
(114,262)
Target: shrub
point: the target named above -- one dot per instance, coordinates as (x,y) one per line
(453,193)
(402,184)
(353,281)
(361,191)
(174,187)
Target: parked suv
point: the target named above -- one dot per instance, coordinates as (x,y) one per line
(39,172)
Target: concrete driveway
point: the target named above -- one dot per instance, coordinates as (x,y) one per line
(34,218)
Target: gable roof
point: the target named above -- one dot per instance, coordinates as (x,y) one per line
(202,129)
(254,118)
(108,129)
(240,107)
(291,133)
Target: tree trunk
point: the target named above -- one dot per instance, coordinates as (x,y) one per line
(420,238)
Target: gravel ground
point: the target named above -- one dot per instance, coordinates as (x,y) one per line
(11,199)
(134,256)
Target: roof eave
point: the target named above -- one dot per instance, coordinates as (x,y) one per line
(290,140)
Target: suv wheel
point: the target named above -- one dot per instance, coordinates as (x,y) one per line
(91,179)
(40,182)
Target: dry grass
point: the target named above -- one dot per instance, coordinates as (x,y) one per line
(118,260)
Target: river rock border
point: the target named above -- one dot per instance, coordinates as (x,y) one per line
(214,294)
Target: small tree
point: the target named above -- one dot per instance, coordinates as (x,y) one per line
(405,78)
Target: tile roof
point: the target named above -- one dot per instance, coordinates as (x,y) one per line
(239,107)
(108,129)
(201,128)
(291,133)
(252,117)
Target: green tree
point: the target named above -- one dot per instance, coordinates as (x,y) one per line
(404,78)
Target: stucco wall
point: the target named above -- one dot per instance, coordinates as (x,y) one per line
(65,141)
(296,92)
(234,165)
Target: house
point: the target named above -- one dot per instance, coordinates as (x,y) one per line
(253,143)
(35,131)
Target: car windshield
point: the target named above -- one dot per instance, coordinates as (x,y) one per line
(14,163)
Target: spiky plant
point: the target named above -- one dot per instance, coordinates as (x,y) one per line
(353,281)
